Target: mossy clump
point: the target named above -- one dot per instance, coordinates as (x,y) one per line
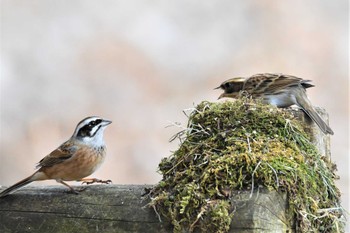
(228,145)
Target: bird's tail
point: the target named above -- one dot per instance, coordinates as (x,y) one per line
(16,186)
(310,111)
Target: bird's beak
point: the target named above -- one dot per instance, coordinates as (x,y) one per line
(106,122)
(217,87)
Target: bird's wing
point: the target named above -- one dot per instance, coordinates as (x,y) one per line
(273,83)
(61,154)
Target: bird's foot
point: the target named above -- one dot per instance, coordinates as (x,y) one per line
(76,191)
(94,180)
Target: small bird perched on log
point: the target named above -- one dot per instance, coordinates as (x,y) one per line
(276,89)
(75,159)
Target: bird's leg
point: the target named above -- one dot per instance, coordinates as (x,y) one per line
(71,190)
(95,180)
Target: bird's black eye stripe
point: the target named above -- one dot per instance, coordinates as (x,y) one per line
(96,122)
(87,129)
(232,87)
(227,85)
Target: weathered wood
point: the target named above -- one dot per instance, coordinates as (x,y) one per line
(264,211)
(119,208)
(99,208)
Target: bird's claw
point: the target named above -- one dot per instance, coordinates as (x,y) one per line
(94,180)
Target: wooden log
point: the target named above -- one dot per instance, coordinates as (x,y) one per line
(99,208)
(260,212)
(120,208)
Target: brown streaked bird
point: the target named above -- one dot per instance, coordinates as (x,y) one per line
(74,160)
(277,89)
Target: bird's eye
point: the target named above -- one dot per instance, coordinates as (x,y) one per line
(227,85)
(94,123)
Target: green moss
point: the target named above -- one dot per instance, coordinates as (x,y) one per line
(241,145)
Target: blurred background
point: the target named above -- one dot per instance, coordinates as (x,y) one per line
(141,63)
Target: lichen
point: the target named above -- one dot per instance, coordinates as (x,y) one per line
(243,145)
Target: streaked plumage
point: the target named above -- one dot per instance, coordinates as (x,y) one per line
(277,89)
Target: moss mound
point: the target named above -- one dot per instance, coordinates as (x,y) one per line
(228,145)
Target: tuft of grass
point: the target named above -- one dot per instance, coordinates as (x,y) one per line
(242,145)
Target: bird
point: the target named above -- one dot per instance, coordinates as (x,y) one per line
(74,159)
(276,89)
